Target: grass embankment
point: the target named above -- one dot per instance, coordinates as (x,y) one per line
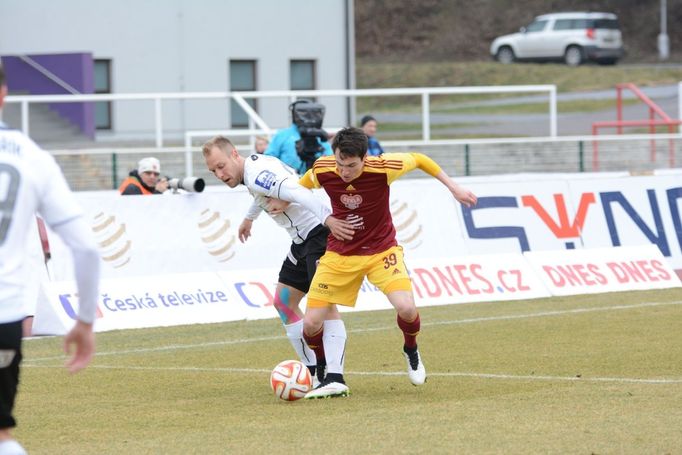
(567,79)
(458,111)
(449,74)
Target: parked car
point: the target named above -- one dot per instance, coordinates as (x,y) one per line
(572,37)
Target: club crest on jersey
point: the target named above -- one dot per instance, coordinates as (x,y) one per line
(266,179)
(351,201)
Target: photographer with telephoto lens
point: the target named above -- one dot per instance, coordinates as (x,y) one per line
(145,180)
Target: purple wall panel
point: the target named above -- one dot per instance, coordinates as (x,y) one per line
(76,69)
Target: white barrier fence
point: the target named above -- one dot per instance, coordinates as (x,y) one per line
(256,121)
(174,259)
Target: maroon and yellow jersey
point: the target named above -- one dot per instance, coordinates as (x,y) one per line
(364,202)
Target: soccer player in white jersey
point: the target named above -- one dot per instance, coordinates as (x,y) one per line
(31,183)
(308,221)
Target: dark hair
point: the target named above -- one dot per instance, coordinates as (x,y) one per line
(2,75)
(350,142)
(365,119)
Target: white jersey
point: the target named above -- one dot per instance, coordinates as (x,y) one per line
(268,177)
(30,183)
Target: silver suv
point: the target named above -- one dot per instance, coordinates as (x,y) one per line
(571,37)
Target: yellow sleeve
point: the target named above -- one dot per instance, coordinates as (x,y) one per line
(426,164)
(409,161)
(308,180)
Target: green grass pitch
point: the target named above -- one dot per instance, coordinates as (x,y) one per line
(588,374)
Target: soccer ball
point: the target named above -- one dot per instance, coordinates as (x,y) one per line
(291,380)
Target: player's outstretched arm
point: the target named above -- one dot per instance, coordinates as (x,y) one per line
(462,195)
(77,235)
(342,230)
(291,190)
(60,211)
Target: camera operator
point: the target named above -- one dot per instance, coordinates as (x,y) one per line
(305,140)
(146,179)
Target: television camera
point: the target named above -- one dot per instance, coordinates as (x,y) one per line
(308,117)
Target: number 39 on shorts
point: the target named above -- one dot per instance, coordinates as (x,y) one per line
(390,260)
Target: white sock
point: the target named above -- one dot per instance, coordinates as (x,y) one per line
(334,339)
(295,335)
(11,447)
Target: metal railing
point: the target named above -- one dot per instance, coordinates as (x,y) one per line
(156,98)
(652,122)
(100,168)
(255,120)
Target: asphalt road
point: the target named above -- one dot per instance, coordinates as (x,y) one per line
(568,124)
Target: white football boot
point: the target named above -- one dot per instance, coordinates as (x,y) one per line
(328,390)
(415,367)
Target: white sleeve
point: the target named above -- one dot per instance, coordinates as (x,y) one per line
(253,211)
(290,190)
(78,236)
(60,210)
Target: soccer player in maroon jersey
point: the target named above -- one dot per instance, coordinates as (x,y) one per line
(358,186)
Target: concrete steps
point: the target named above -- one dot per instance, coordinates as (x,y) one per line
(46,127)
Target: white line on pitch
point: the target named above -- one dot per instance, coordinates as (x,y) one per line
(554,313)
(172,347)
(394,373)
(376,329)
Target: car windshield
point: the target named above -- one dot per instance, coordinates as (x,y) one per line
(536,26)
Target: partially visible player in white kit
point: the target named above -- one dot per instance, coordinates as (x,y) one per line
(308,221)
(31,183)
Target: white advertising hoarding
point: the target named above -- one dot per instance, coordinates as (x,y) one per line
(597,270)
(154,244)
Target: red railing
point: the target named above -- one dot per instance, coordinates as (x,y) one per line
(652,123)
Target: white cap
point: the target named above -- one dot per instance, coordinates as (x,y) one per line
(148,164)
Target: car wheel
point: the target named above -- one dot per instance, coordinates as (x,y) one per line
(505,55)
(573,56)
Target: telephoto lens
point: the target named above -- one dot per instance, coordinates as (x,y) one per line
(189,184)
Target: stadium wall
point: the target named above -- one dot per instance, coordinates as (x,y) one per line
(75,69)
(186,46)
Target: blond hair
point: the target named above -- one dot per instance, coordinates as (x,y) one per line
(221,142)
